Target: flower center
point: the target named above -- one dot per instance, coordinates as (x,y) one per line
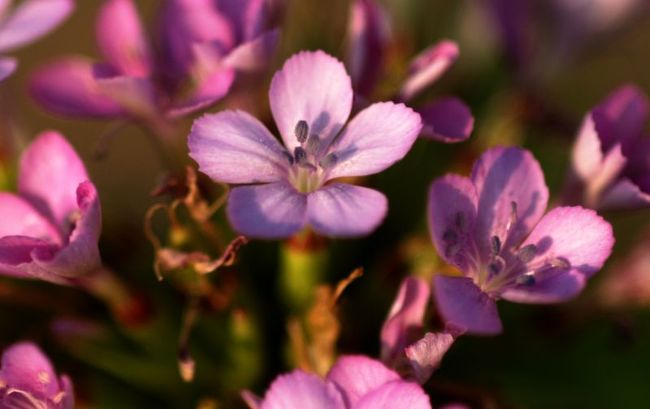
(309,166)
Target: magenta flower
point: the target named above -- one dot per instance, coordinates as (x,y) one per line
(202,45)
(610,157)
(50,229)
(446,119)
(27,380)
(493,228)
(27,23)
(293,186)
(354,382)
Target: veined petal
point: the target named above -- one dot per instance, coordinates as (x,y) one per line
(466,307)
(621,117)
(300,390)
(342,210)
(20,218)
(68,87)
(580,238)
(395,395)
(376,138)
(512,196)
(314,87)
(121,38)
(452,221)
(447,120)
(427,67)
(357,375)
(7,67)
(25,367)
(254,55)
(426,354)
(234,147)
(271,211)
(404,322)
(50,172)
(32,19)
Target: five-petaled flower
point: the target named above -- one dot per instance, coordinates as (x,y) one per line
(50,229)
(27,380)
(290,187)
(354,382)
(493,228)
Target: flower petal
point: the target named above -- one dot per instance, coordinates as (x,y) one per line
(270,211)
(210,83)
(68,392)
(376,138)
(512,196)
(300,390)
(342,210)
(426,354)
(136,95)
(314,87)
(246,16)
(575,235)
(404,322)
(466,307)
(254,55)
(32,19)
(68,87)
(452,221)
(587,154)
(25,367)
(121,38)
(7,67)
(234,147)
(17,254)
(447,120)
(50,172)
(368,35)
(427,67)
(19,218)
(624,194)
(357,375)
(396,395)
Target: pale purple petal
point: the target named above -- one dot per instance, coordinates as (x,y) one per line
(209,83)
(234,147)
(300,390)
(405,319)
(17,254)
(357,375)
(136,95)
(68,392)
(50,172)
(342,210)
(580,238)
(447,120)
(452,221)
(624,194)
(121,38)
(19,218)
(621,116)
(368,35)
(427,67)
(247,17)
(4,8)
(426,354)
(587,154)
(395,395)
(252,401)
(68,87)
(7,67)
(271,211)
(254,55)
(466,307)
(376,138)
(32,19)
(512,196)
(314,87)
(25,367)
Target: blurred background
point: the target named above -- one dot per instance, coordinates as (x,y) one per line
(529,71)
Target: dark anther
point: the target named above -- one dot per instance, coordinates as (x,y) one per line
(461,223)
(495,243)
(300,156)
(313,143)
(301,131)
(560,263)
(450,236)
(496,266)
(527,279)
(289,157)
(527,253)
(328,161)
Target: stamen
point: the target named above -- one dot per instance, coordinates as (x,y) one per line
(495,243)
(527,279)
(313,143)
(300,156)
(496,266)
(513,216)
(301,131)
(560,263)
(527,253)
(328,161)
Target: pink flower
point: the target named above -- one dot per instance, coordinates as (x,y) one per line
(27,380)
(492,227)
(292,185)
(50,229)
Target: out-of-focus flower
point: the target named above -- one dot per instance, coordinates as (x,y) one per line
(202,44)
(27,380)
(611,156)
(50,229)
(446,119)
(25,24)
(311,100)
(493,228)
(404,345)
(354,382)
